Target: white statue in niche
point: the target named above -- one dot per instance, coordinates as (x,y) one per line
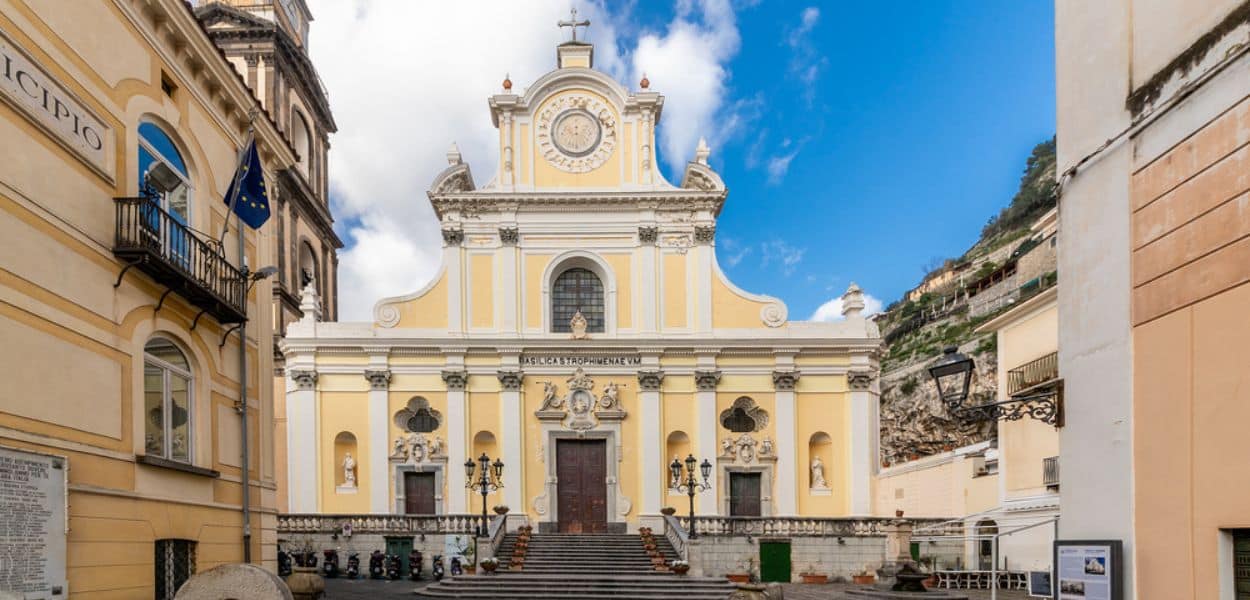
(349,470)
(818,474)
(399,451)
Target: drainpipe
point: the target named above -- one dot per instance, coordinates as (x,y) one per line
(247,492)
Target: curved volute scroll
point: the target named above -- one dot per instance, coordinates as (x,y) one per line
(699,175)
(456,177)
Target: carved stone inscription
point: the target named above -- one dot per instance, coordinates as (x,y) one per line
(32,523)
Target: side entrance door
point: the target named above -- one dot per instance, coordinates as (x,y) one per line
(744,494)
(418,493)
(582,486)
(398,545)
(775,561)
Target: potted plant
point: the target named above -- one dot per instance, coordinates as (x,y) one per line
(864,576)
(812,575)
(668,511)
(898,513)
(681,567)
(743,576)
(490,564)
(500,509)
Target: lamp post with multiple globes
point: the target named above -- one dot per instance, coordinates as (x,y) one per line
(490,479)
(690,484)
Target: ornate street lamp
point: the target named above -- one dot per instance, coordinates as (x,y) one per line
(691,484)
(953,375)
(490,479)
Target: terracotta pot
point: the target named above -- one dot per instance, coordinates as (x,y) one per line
(501,510)
(681,569)
(898,513)
(650,546)
(490,567)
(658,561)
(814,578)
(306,584)
(863,579)
(668,510)
(739,577)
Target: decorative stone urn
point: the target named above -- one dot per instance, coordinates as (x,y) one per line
(306,584)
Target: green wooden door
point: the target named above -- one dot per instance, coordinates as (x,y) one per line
(775,561)
(399,546)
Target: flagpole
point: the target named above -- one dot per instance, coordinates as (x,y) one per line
(246,285)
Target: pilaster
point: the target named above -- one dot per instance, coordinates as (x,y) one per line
(786,491)
(706,378)
(649,382)
(864,392)
(511,433)
(301,456)
(455,378)
(378,473)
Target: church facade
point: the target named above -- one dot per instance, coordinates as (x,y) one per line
(581,332)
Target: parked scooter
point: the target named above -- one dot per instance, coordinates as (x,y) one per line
(394,567)
(353,565)
(284,563)
(330,566)
(414,565)
(306,559)
(436,567)
(456,569)
(377,566)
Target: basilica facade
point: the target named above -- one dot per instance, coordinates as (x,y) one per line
(581,332)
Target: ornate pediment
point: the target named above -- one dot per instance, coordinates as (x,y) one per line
(580,406)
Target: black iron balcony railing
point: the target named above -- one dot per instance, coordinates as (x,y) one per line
(151,240)
(1050,471)
(1033,374)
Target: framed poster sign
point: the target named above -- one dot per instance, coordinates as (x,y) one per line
(1039,585)
(1088,570)
(33,523)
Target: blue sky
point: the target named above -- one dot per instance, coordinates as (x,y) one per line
(913,133)
(859,140)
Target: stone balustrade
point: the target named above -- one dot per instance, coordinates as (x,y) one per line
(799,526)
(379,524)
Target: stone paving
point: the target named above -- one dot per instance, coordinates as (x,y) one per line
(362,589)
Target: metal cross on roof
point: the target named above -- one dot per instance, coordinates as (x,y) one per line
(573,23)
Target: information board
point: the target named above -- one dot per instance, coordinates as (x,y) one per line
(32,524)
(1088,570)
(1039,584)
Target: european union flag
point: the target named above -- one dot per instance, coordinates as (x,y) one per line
(246,193)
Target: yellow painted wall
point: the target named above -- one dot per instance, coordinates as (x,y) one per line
(678,414)
(620,264)
(484,426)
(535,264)
(607,175)
(1027,442)
(429,311)
(731,311)
(343,412)
(482,290)
(674,269)
(830,414)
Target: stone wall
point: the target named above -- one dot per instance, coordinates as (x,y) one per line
(717,556)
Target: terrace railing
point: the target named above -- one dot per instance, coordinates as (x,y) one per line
(796,526)
(1033,374)
(382,524)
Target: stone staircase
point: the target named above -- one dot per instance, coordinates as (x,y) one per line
(560,565)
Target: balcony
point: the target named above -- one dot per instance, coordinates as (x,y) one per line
(1033,375)
(1050,472)
(151,240)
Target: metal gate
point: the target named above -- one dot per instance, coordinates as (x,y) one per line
(399,546)
(775,561)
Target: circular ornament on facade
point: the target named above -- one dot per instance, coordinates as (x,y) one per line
(576,133)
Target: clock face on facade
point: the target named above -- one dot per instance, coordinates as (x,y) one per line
(576,133)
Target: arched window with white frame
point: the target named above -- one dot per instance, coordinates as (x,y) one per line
(163,173)
(167,401)
(577,290)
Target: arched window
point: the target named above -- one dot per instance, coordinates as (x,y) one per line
(166,401)
(577,289)
(163,174)
(308,272)
(744,416)
(302,142)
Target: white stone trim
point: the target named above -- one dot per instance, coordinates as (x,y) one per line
(590,260)
(511,430)
(786,491)
(651,455)
(379,444)
(302,413)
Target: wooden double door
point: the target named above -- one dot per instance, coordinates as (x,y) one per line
(418,494)
(744,495)
(582,486)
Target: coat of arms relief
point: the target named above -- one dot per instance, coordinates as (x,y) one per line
(580,406)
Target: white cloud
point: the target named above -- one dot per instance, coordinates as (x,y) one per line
(735,251)
(783,255)
(832,310)
(687,64)
(406,79)
(807,20)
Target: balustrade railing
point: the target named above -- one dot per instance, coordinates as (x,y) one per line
(1033,373)
(796,526)
(383,524)
(677,536)
(498,530)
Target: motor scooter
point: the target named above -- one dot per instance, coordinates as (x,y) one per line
(377,568)
(353,565)
(414,565)
(456,568)
(330,566)
(394,567)
(284,563)
(436,567)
